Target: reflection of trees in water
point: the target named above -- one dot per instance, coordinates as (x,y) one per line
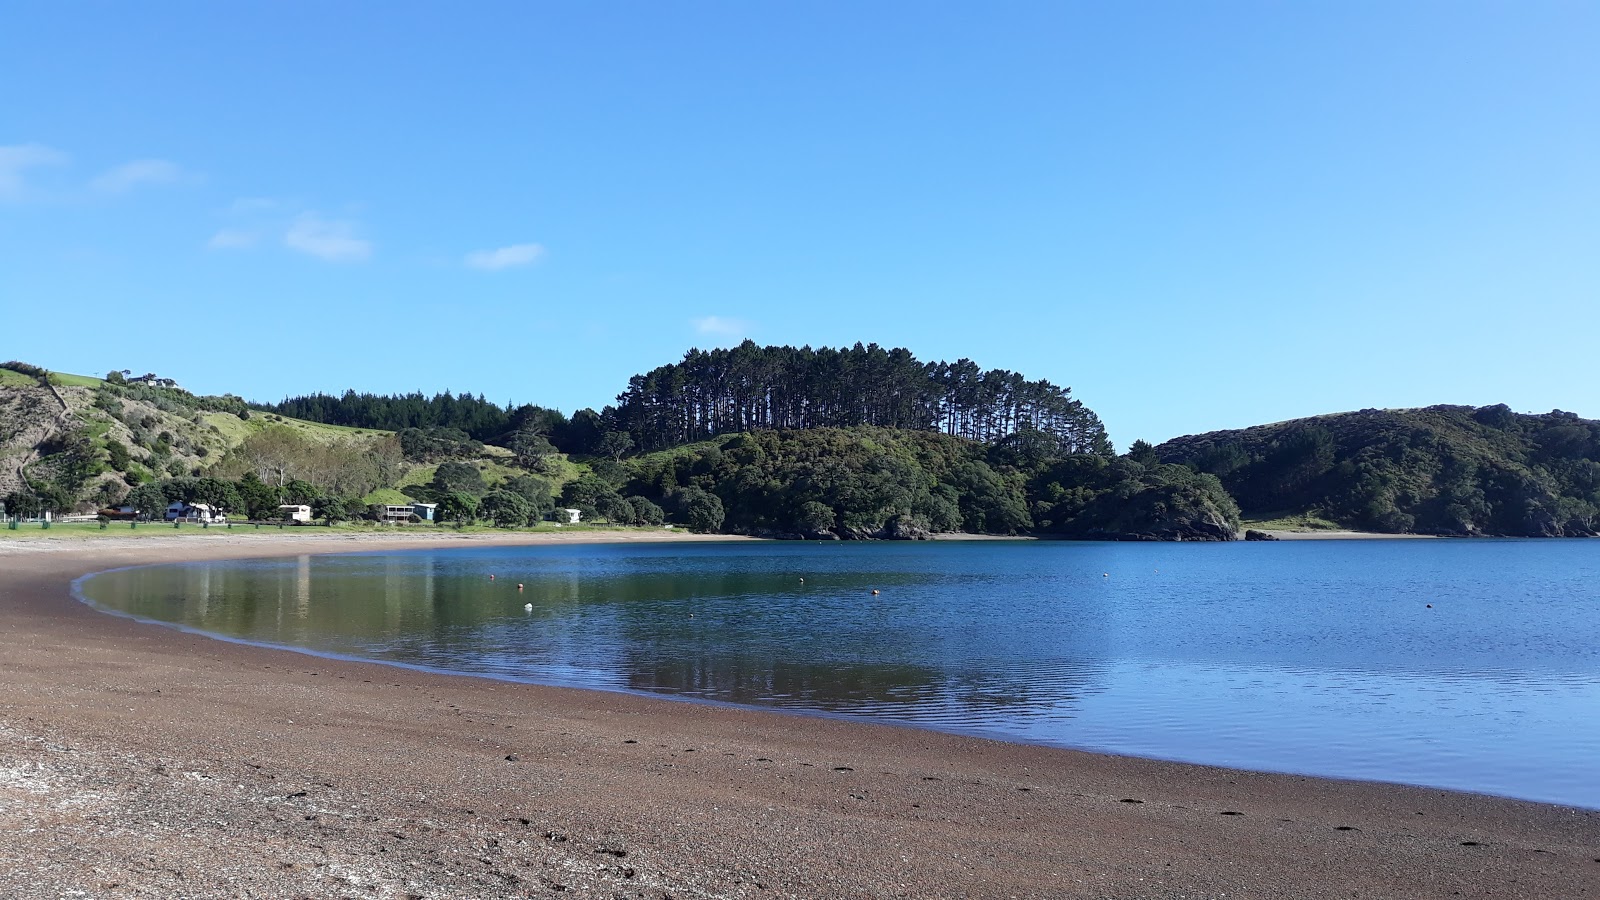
(961,649)
(906,691)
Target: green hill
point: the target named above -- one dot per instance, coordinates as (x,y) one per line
(77,443)
(869,482)
(1450,470)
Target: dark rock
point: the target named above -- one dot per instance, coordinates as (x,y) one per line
(1254,535)
(905,528)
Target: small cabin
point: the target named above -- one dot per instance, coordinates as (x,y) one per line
(202,513)
(572,515)
(425,511)
(292,512)
(397,513)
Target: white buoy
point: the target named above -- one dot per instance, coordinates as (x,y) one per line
(528,607)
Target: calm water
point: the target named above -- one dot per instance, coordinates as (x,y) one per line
(1312,657)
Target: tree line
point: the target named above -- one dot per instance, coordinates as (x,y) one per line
(751,388)
(747,388)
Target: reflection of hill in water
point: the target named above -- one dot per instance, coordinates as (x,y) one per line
(920,693)
(922,650)
(1339,658)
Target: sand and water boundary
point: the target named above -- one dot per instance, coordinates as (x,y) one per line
(140,761)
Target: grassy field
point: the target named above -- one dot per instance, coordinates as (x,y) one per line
(1299,522)
(9,378)
(235,429)
(65,379)
(387,496)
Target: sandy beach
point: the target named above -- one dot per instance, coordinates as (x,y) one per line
(139,761)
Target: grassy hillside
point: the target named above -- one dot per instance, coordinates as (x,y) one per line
(82,442)
(1439,470)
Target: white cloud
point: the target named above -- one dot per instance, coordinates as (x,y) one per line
(233,239)
(720,326)
(17,158)
(505,257)
(329,239)
(130,175)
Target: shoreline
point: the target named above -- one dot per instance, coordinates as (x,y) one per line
(1346,536)
(138,760)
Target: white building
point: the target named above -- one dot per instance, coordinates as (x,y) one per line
(295,513)
(572,515)
(195,512)
(397,514)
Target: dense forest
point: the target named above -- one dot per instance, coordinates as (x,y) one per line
(750,388)
(867,482)
(1451,470)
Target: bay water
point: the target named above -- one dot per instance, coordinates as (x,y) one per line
(1472,665)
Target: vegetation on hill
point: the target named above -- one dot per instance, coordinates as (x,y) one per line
(751,388)
(855,443)
(447,419)
(1451,470)
(868,482)
(76,444)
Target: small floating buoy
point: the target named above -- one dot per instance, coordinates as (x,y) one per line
(528,607)
(519,585)
(1430,606)
(1105,574)
(874,592)
(802,581)
(491,577)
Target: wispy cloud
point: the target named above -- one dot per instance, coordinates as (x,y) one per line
(721,326)
(330,239)
(505,257)
(18,158)
(139,172)
(233,239)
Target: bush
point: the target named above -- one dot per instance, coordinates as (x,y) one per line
(118,452)
(26,369)
(701,511)
(645,512)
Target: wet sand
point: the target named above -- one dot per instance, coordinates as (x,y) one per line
(138,761)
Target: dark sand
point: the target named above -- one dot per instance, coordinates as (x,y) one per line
(138,761)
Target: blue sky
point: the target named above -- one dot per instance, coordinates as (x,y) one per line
(1198,215)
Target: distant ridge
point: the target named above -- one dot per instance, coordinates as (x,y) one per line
(1449,470)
